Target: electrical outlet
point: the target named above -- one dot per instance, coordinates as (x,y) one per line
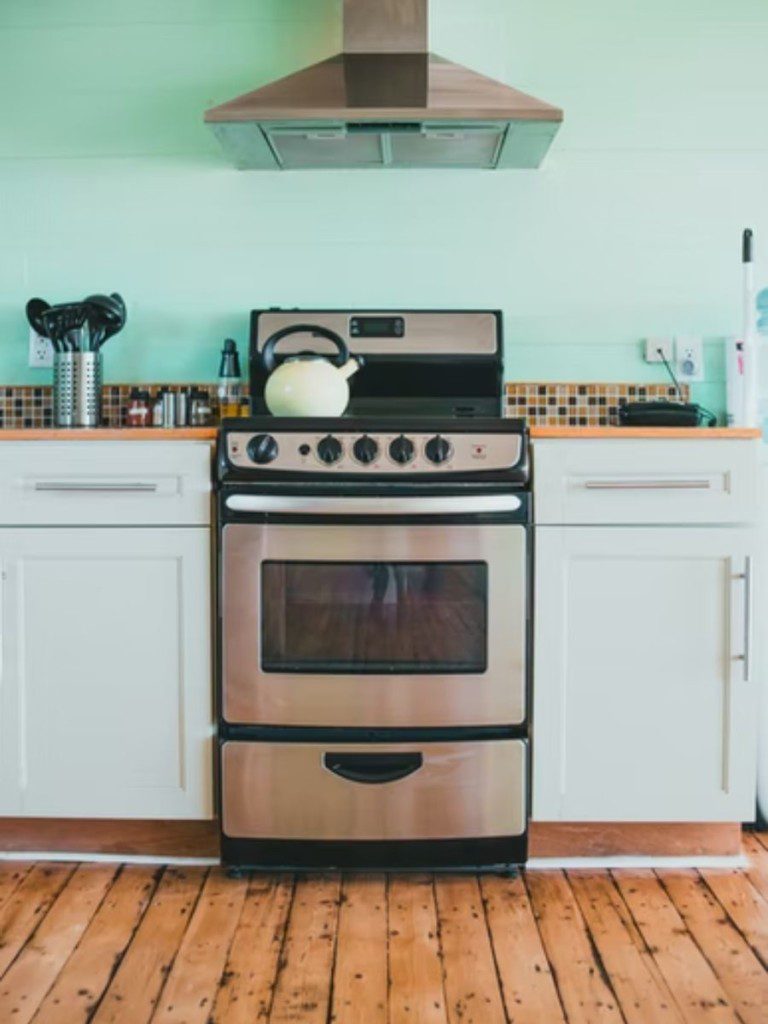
(689,353)
(652,346)
(40,350)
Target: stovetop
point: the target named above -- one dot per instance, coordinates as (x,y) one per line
(373,450)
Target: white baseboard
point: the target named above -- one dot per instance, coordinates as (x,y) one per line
(735,861)
(110,858)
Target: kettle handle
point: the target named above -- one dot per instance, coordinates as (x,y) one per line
(269,359)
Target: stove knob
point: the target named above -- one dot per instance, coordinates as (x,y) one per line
(329,450)
(402,450)
(438,449)
(365,449)
(262,449)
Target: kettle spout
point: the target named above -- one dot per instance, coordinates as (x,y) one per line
(351,366)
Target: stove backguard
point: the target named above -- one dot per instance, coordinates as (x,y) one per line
(422,362)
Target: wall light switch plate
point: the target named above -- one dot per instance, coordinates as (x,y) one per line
(652,346)
(689,358)
(40,350)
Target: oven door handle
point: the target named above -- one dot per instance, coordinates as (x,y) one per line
(373,769)
(308,505)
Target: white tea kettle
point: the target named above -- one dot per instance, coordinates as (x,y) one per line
(307,384)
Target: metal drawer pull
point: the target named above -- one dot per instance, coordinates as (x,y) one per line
(373,506)
(66,485)
(648,485)
(746,657)
(373,769)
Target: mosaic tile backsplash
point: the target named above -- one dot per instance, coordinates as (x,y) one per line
(554,404)
(580,405)
(27,407)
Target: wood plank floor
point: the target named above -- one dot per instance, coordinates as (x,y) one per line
(135,944)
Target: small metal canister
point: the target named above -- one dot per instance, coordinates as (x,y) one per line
(182,407)
(169,408)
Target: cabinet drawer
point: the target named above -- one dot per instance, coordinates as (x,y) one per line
(105,483)
(645,482)
(352,791)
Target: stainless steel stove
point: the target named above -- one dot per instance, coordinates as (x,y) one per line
(373,593)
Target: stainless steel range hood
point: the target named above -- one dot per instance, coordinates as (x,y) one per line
(385,102)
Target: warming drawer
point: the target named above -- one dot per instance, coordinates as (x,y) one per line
(372,791)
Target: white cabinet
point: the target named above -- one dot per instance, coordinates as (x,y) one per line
(638,481)
(106,696)
(644,692)
(105,666)
(105,483)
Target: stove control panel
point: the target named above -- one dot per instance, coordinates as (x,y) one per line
(375,453)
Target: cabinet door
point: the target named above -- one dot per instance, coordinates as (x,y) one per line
(107,672)
(644,709)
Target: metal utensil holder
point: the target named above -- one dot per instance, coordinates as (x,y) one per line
(77,389)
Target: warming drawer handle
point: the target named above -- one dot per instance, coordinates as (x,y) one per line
(94,486)
(308,505)
(648,485)
(373,769)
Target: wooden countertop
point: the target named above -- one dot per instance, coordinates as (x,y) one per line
(111,434)
(698,433)
(209,433)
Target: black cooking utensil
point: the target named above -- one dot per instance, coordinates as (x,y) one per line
(110,307)
(63,323)
(74,317)
(35,310)
(108,316)
(52,322)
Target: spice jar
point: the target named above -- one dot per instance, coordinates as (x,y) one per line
(157,409)
(139,411)
(199,408)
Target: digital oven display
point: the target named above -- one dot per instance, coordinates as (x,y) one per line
(377,327)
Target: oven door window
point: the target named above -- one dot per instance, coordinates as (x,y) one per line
(374,617)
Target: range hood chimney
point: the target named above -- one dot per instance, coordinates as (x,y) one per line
(385,102)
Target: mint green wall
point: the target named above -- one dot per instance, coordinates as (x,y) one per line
(108,180)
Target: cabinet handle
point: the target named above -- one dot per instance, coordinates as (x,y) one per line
(79,486)
(2,623)
(648,485)
(746,657)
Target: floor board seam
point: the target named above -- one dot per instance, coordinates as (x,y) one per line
(687,932)
(87,925)
(761,956)
(156,878)
(552,968)
(489,932)
(281,953)
(698,944)
(167,973)
(641,943)
(30,938)
(332,973)
(440,953)
(596,955)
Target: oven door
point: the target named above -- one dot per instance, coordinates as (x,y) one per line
(398,625)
